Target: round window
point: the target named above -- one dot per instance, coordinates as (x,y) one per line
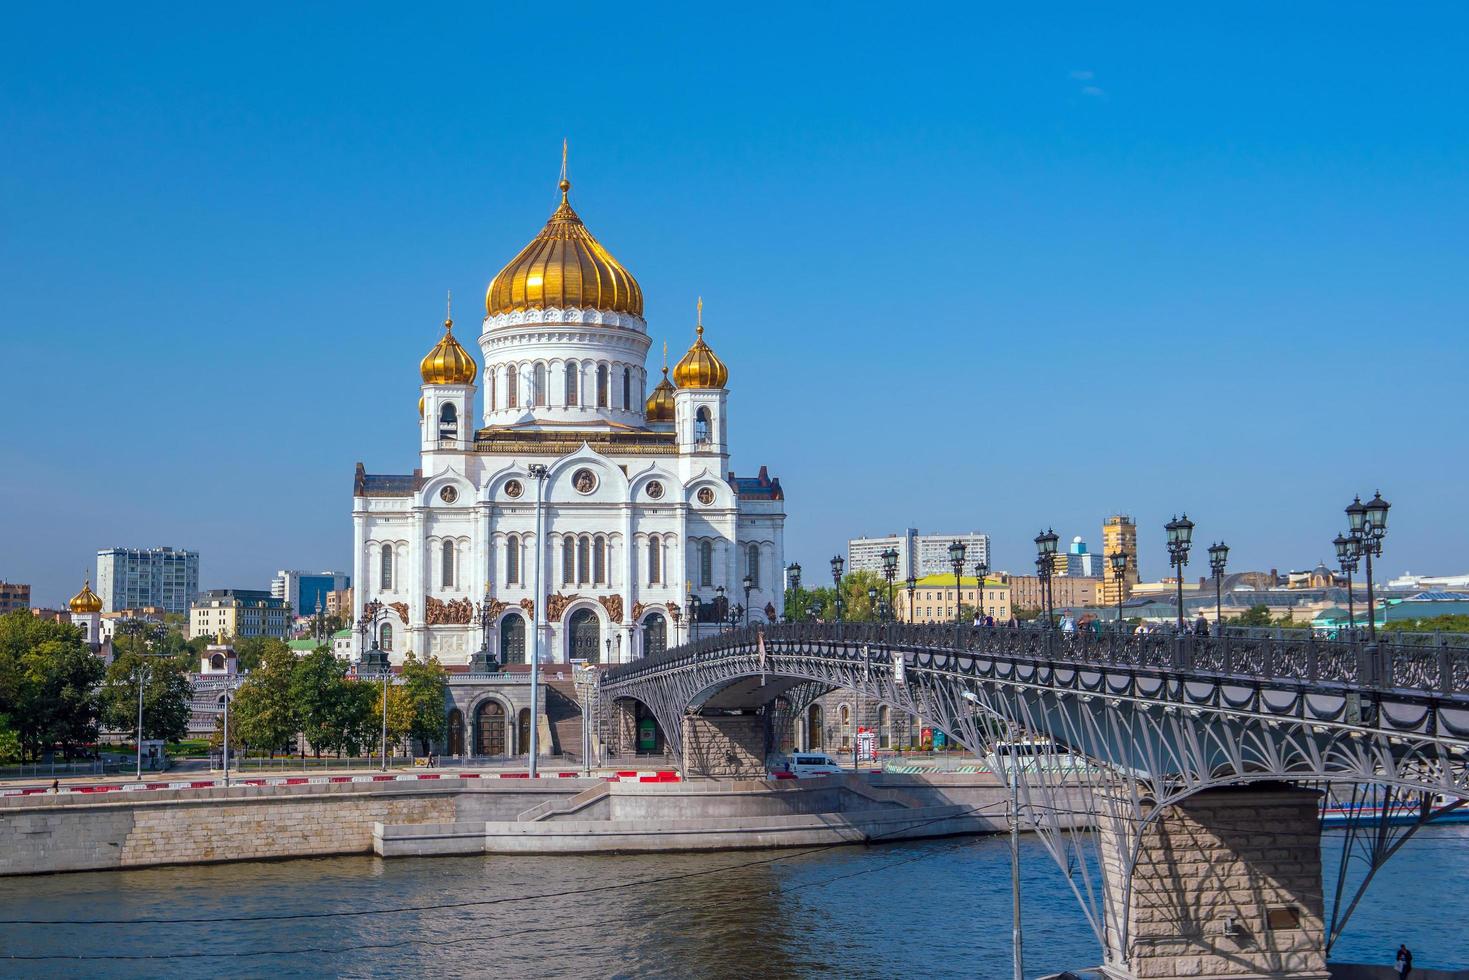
(448,495)
(513,489)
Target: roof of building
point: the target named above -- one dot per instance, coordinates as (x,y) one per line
(760,487)
(365,484)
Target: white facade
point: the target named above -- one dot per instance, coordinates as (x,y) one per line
(631,517)
(918,554)
(136,578)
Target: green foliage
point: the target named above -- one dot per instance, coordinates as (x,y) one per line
(48,684)
(166,696)
(318,692)
(252,651)
(1257,615)
(857,607)
(9,741)
(426,684)
(1433,624)
(263,714)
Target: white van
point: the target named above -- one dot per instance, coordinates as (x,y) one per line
(802,764)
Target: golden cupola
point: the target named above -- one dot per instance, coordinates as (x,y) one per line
(660,402)
(564,267)
(448,363)
(86,601)
(700,367)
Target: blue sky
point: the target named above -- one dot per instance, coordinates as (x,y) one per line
(971,267)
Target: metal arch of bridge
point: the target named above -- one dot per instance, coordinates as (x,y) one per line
(1157,718)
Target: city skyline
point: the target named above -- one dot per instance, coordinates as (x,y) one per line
(1113,276)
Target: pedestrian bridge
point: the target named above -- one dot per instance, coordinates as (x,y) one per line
(1184,744)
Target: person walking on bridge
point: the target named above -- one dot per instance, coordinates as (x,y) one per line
(1404,964)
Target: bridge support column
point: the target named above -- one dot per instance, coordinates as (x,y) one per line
(1226,884)
(724,746)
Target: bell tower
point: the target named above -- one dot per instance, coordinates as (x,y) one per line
(446,408)
(700,400)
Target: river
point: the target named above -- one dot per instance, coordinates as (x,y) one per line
(926,909)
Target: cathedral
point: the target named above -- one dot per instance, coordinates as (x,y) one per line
(585,504)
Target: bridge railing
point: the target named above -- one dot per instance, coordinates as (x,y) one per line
(1429,664)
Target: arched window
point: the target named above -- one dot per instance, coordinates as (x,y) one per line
(573,382)
(752,564)
(568,559)
(599,561)
(512,385)
(706,563)
(512,558)
(601,386)
(447,569)
(655,560)
(385,638)
(386,583)
(539,394)
(626,389)
(448,421)
(491,394)
(701,424)
(583,559)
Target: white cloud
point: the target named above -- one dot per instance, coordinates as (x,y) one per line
(1083,74)
(1093,92)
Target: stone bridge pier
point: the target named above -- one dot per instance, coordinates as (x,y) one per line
(725,745)
(1225,884)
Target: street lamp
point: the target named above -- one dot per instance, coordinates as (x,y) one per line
(537,472)
(1218,556)
(912,588)
(1180,539)
(956,559)
(375,660)
(793,578)
(1045,564)
(837,565)
(749,584)
(889,572)
(1119,569)
(981,569)
(872,598)
(1347,556)
(1368,527)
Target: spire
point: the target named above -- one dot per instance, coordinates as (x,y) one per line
(699,320)
(448,308)
(665,357)
(565,184)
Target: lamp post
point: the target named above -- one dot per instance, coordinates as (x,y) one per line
(1218,556)
(1119,569)
(1368,526)
(226,743)
(749,584)
(374,661)
(1180,539)
(912,588)
(793,578)
(837,565)
(1346,555)
(890,572)
(981,569)
(1045,547)
(693,614)
(956,559)
(142,675)
(872,599)
(537,472)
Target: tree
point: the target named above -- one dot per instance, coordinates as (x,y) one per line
(58,703)
(251,651)
(317,690)
(9,741)
(427,684)
(166,697)
(360,717)
(262,708)
(856,607)
(400,713)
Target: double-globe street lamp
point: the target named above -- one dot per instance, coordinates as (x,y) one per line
(1347,556)
(1119,572)
(981,569)
(1045,566)
(1218,557)
(956,559)
(375,661)
(1367,524)
(837,565)
(872,602)
(890,572)
(749,584)
(1180,539)
(912,584)
(793,579)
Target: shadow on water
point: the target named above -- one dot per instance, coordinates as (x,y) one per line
(930,909)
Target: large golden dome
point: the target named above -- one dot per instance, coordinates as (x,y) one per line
(448,363)
(86,601)
(564,267)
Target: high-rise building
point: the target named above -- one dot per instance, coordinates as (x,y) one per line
(238,613)
(919,555)
(1078,561)
(307,591)
(13,596)
(1119,533)
(131,578)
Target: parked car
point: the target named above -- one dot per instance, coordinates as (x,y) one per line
(802,764)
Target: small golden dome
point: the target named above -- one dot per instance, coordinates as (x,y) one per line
(660,402)
(700,368)
(420,406)
(564,267)
(86,601)
(448,363)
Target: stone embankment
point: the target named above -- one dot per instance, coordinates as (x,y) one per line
(87,832)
